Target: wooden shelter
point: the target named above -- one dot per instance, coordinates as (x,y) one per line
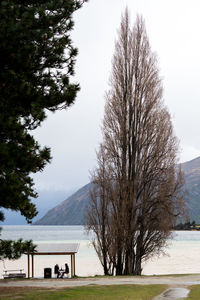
(53,249)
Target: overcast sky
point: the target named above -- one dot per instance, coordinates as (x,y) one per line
(173,27)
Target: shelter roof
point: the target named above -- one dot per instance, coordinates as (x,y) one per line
(56,248)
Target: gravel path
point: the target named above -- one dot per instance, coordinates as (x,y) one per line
(171,281)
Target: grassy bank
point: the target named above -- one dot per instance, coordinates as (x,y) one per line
(195,293)
(116,292)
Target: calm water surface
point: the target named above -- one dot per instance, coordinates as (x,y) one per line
(68,233)
(182,254)
(44,233)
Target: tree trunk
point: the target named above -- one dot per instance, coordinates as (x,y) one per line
(129,262)
(138,266)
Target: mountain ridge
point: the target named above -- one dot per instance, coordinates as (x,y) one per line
(68,212)
(71,211)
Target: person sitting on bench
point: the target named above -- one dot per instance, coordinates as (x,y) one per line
(67,270)
(56,270)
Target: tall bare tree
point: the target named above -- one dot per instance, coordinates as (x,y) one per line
(137,189)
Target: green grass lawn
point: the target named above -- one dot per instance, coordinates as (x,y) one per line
(93,292)
(195,293)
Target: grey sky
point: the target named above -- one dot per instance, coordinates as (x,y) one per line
(173,28)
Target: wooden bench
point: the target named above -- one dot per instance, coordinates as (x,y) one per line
(14,274)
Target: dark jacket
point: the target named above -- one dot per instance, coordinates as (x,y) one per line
(66,269)
(56,268)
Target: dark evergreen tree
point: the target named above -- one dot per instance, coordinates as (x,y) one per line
(36,64)
(14,249)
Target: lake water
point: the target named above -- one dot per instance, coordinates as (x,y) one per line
(182,254)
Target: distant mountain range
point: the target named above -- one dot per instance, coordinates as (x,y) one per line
(46,200)
(191,171)
(71,211)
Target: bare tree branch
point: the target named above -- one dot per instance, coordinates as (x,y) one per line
(137,189)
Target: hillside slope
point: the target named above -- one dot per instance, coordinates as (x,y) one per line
(71,211)
(191,171)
